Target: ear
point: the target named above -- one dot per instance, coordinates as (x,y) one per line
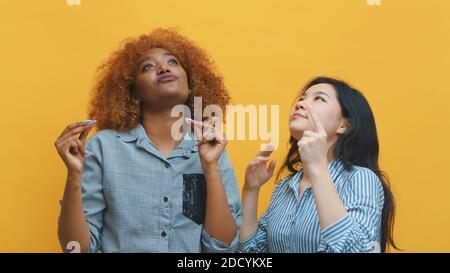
(344,123)
(136,97)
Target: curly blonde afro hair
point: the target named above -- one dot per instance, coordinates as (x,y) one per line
(114,105)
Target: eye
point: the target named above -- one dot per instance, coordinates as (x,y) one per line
(172,61)
(320,98)
(147,67)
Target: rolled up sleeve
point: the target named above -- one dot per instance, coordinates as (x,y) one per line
(92,194)
(257,243)
(359,230)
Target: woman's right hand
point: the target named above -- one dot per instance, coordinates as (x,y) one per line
(257,172)
(70,145)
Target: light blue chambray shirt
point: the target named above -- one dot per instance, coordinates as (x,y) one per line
(137,200)
(291,223)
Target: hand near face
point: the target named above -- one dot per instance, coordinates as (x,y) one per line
(313,146)
(211,141)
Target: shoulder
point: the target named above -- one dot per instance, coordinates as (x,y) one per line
(364,181)
(100,139)
(102,135)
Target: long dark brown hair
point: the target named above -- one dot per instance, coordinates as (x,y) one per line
(357,146)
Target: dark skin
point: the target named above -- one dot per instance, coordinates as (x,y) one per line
(161,83)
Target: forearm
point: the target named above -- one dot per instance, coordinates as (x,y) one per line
(72,223)
(328,203)
(250,218)
(219,221)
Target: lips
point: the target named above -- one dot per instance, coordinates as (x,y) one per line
(299,115)
(168,78)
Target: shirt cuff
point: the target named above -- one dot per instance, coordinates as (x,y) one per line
(212,245)
(336,231)
(248,244)
(94,244)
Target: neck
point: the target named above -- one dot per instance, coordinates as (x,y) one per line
(158,126)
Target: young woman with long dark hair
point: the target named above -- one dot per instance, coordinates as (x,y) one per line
(334,198)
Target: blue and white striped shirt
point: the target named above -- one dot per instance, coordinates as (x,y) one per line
(291,223)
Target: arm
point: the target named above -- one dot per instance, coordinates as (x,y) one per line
(350,228)
(220,233)
(250,213)
(257,238)
(219,221)
(72,224)
(256,175)
(314,149)
(328,203)
(254,234)
(359,229)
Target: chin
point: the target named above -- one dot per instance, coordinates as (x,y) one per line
(298,125)
(174,94)
(296,130)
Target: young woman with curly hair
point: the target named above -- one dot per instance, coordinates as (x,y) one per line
(132,187)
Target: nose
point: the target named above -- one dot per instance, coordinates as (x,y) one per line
(162,68)
(300,105)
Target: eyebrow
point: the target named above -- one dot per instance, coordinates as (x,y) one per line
(317,93)
(151,58)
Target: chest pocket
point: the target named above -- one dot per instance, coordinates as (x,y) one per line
(194,197)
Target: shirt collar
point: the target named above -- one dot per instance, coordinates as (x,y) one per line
(138,134)
(133,134)
(335,168)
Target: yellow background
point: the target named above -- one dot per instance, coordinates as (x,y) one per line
(397,54)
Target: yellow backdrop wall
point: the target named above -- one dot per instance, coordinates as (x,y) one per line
(396,53)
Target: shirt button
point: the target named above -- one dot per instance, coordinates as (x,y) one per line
(166,199)
(163,234)
(167,165)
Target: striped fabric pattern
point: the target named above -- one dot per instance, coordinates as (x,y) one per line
(291,224)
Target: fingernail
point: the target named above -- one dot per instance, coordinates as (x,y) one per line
(269,147)
(89,121)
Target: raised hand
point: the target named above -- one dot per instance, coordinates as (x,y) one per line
(70,144)
(313,146)
(211,141)
(258,172)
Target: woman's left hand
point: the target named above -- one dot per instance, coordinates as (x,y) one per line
(211,141)
(313,146)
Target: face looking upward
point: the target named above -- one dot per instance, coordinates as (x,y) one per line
(321,98)
(161,82)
